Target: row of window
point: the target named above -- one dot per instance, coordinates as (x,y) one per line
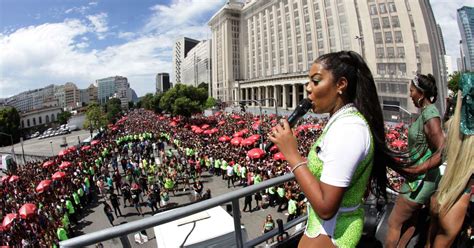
(397,69)
(389,38)
(385,22)
(390,52)
(40,121)
(382,8)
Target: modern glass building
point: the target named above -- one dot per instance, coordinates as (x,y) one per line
(180,50)
(466,26)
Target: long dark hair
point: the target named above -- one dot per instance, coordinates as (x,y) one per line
(362,92)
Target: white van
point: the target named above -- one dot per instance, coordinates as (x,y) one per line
(7,163)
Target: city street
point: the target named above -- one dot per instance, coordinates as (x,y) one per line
(96,220)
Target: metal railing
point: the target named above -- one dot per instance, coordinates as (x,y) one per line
(233,197)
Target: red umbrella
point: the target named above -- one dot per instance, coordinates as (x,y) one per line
(72,148)
(162,118)
(43,185)
(235,117)
(238,134)
(399,143)
(274,148)
(256,153)
(240,122)
(85,148)
(173,124)
(236,141)
(221,123)
(215,130)
(13,178)
(205,126)
(135,186)
(256,119)
(247,142)
(256,126)
(224,138)
(58,175)
(27,210)
(63,152)
(279,156)
(208,132)
(198,130)
(254,137)
(48,164)
(244,131)
(390,136)
(8,219)
(65,164)
(95,142)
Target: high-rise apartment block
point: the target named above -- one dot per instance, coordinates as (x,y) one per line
(264,49)
(466,26)
(196,67)
(180,50)
(162,82)
(116,86)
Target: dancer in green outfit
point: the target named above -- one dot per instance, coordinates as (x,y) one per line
(350,153)
(425,144)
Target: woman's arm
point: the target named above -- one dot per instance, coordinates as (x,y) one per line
(435,138)
(325,199)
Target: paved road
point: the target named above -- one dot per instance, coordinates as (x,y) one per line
(96,220)
(48,146)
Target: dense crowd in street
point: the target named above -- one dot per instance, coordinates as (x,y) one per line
(142,161)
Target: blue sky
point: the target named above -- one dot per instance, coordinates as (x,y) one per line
(46,42)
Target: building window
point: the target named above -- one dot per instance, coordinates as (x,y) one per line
(378,38)
(22,124)
(381,69)
(398,37)
(383,10)
(390,52)
(47,118)
(401,52)
(402,68)
(52,118)
(373,9)
(385,22)
(375,23)
(392,68)
(380,52)
(40,120)
(392,8)
(388,37)
(34,121)
(28,123)
(395,22)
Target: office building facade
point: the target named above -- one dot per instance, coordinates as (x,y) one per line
(196,67)
(466,26)
(162,82)
(264,49)
(110,87)
(180,50)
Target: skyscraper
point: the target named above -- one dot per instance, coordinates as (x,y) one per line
(466,26)
(196,67)
(264,49)
(162,82)
(180,51)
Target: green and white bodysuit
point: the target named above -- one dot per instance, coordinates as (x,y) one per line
(342,157)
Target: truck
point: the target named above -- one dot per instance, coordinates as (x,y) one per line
(7,163)
(212,228)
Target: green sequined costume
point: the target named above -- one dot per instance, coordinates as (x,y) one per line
(349,221)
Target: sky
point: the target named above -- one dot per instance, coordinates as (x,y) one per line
(45,42)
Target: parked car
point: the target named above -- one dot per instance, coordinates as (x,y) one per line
(73,128)
(37,134)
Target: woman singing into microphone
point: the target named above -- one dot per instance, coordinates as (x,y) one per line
(350,153)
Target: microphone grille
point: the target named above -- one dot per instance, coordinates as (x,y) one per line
(305,105)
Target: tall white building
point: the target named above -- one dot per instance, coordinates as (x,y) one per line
(196,67)
(162,82)
(264,49)
(449,64)
(180,50)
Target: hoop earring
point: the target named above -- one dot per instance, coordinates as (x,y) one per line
(339,92)
(419,102)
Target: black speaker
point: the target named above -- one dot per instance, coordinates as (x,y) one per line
(228,208)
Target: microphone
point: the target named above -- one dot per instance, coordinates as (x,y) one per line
(303,107)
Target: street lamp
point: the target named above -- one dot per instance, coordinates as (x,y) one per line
(52,152)
(11,139)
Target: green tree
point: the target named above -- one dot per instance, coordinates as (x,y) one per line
(63,117)
(131,105)
(114,107)
(204,85)
(453,81)
(9,124)
(184,100)
(95,118)
(210,102)
(146,101)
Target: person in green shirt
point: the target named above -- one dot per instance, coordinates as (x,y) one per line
(292,207)
(217,165)
(62,234)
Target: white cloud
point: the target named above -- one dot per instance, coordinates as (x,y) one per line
(99,24)
(81,10)
(180,13)
(93,3)
(56,53)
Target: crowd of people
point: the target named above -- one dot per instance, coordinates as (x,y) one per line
(145,159)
